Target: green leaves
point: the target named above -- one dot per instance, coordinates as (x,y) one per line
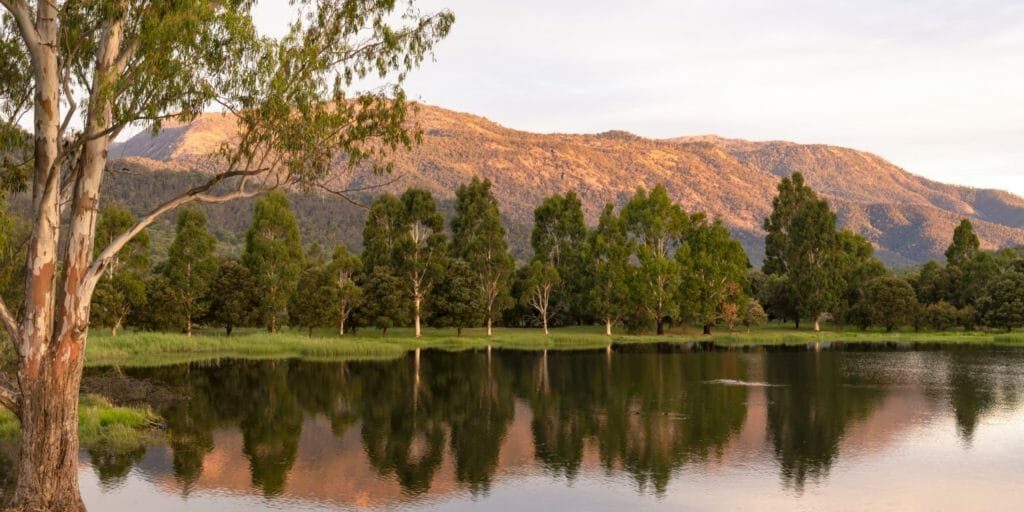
(714,271)
(273,254)
(802,245)
(191,266)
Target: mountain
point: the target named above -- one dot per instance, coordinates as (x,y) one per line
(908,218)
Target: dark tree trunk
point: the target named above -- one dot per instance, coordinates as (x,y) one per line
(229,328)
(798,323)
(707,329)
(661,326)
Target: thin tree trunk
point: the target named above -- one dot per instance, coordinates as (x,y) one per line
(341,325)
(817,323)
(545,315)
(489,330)
(661,326)
(416,316)
(116,327)
(608,326)
(188,324)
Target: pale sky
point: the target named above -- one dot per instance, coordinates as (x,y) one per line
(936,86)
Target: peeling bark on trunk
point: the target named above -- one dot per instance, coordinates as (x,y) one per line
(48,463)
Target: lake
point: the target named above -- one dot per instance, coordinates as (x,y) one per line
(654,427)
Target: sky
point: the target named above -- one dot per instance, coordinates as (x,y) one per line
(936,87)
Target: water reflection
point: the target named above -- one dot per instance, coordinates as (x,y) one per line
(438,421)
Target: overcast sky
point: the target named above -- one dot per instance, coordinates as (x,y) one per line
(936,86)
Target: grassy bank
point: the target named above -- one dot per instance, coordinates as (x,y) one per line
(146,348)
(102,427)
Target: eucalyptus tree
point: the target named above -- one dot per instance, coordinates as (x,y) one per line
(542,280)
(608,261)
(560,236)
(803,247)
(656,223)
(273,253)
(422,248)
(299,100)
(122,288)
(479,238)
(714,269)
(343,268)
(191,266)
(381,232)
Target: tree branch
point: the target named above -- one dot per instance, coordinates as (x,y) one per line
(198,193)
(23,16)
(10,399)
(9,323)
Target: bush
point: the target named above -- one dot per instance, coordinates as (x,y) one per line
(941,316)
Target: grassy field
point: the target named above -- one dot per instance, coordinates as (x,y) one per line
(148,349)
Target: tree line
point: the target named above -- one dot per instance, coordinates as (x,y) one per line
(644,266)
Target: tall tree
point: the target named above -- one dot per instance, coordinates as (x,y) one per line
(714,269)
(422,248)
(479,238)
(542,280)
(858,266)
(191,266)
(231,295)
(560,236)
(382,232)
(965,244)
(273,253)
(456,300)
(299,101)
(608,260)
(656,223)
(343,268)
(122,288)
(802,246)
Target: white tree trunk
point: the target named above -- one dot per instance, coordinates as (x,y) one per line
(416,315)
(608,326)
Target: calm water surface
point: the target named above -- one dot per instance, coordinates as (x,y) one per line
(646,428)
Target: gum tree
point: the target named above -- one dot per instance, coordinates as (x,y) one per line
(421,249)
(87,70)
(191,266)
(656,223)
(479,238)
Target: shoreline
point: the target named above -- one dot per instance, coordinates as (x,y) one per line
(160,349)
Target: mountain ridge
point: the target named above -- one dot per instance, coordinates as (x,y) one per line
(908,218)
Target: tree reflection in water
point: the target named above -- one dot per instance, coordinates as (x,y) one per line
(646,411)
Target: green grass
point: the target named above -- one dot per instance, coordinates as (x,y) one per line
(101,426)
(152,349)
